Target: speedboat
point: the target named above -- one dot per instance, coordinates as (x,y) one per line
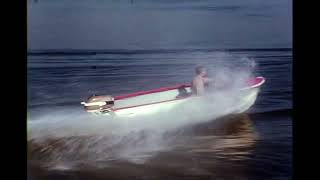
(163,99)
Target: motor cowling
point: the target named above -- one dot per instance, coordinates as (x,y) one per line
(98,103)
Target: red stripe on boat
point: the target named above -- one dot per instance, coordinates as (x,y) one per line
(255,81)
(251,82)
(152,91)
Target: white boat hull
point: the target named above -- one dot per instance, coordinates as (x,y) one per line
(165,101)
(150,109)
(243,105)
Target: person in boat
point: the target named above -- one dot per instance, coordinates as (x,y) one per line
(200,81)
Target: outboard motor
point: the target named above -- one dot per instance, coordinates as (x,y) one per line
(99,104)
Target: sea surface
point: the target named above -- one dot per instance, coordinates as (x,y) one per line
(77,48)
(67,143)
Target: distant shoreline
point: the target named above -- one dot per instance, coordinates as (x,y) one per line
(138,51)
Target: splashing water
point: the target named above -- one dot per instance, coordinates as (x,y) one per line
(70,134)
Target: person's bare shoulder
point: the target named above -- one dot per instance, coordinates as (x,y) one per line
(198,81)
(195,80)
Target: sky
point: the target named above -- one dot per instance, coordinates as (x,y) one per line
(159,24)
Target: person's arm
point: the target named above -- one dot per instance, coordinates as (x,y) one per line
(207,80)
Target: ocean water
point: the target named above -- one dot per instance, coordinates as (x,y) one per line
(253,145)
(80,48)
(159,24)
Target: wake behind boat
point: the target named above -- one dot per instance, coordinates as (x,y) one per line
(162,100)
